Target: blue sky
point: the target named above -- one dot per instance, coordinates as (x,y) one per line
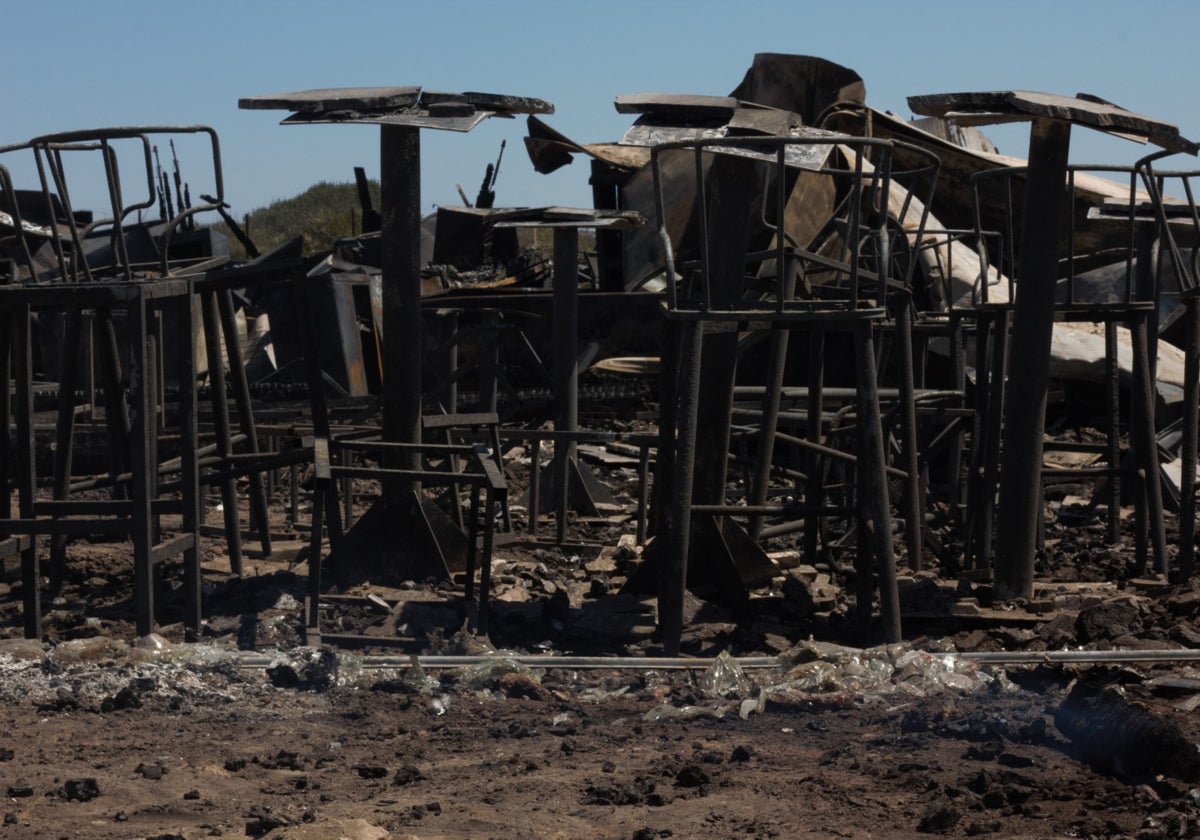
(132,62)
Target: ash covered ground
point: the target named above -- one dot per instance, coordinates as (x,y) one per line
(251,733)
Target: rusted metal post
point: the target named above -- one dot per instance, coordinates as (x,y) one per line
(566,378)
(116,411)
(768,426)
(64,433)
(189,477)
(673,585)
(31,573)
(993,391)
(220,410)
(814,493)
(142,421)
(6,410)
(1146,443)
(914,507)
(535,486)
(875,557)
(1033,324)
(1112,374)
(241,393)
(400,218)
(733,187)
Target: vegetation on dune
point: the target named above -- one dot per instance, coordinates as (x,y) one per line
(322,214)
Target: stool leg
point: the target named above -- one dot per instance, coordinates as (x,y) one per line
(314,556)
(116,411)
(814,492)
(673,583)
(472,542)
(141,402)
(220,409)
(875,555)
(1148,466)
(189,473)
(535,486)
(241,393)
(1113,431)
(485,569)
(914,502)
(497,454)
(64,434)
(31,572)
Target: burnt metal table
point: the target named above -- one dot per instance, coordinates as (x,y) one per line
(400,112)
(574,487)
(1033,311)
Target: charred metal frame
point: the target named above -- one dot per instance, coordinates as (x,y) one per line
(1169,218)
(136,516)
(1136,310)
(717,308)
(574,485)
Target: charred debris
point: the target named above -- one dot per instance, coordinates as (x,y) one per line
(816,370)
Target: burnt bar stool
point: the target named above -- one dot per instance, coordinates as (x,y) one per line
(1116,230)
(820,286)
(148,498)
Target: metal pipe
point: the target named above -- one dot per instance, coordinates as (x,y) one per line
(254,661)
(633,663)
(673,580)
(400,211)
(566,375)
(220,409)
(245,410)
(913,501)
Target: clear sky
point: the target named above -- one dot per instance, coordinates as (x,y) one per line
(82,64)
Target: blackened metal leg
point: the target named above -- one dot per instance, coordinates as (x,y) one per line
(914,507)
(142,411)
(1148,464)
(31,572)
(1113,431)
(64,435)
(241,394)
(769,426)
(875,554)
(1033,325)
(485,570)
(670,353)
(673,584)
(643,492)
(400,214)
(566,377)
(116,410)
(472,543)
(535,486)
(814,493)
(220,410)
(993,431)
(189,478)
(6,409)
(314,556)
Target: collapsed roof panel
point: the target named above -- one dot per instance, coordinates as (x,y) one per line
(804,84)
